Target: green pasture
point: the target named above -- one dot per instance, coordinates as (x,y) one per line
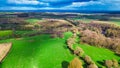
(32,20)
(4,33)
(40,51)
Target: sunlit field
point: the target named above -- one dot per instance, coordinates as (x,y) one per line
(55,40)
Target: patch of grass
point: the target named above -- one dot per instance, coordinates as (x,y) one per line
(83,20)
(42,51)
(24,33)
(115,22)
(37,52)
(5,33)
(32,20)
(98,54)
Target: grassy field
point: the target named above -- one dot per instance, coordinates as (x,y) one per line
(33,20)
(42,51)
(24,33)
(115,22)
(83,20)
(98,54)
(5,33)
(38,52)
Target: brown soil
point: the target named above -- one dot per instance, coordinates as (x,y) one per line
(4,49)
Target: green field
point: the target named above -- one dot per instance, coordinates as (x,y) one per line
(38,52)
(85,20)
(98,54)
(5,33)
(24,33)
(32,20)
(115,22)
(42,51)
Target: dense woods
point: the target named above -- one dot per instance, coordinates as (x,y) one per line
(112,63)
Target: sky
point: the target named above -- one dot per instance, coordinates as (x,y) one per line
(69,5)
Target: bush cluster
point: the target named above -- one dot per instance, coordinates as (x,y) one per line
(90,62)
(111,63)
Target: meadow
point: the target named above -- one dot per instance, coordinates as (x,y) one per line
(112,21)
(33,20)
(115,22)
(40,51)
(99,55)
(83,20)
(4,33)
(43,51)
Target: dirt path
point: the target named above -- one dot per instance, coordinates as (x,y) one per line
(4,49)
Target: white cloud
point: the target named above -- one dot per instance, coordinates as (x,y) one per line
(29,2)
(17,8)
(91,5)
(23,8)
(95,5)
(34,8)
(81,4)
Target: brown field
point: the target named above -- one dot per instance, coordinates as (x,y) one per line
(4,49)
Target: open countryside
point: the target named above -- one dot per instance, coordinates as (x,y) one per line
(47,40)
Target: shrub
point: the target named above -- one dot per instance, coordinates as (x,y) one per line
(92,65)
(61,35)
(75,30)
(79,52)
(115,63)
(70,42)
(75,63)
(88,60)
(53,35)
(118,49)
(108,63)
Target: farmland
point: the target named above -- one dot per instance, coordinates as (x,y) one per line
(6,33)
(36,52)
(32,20)
(99,54)
(53,41)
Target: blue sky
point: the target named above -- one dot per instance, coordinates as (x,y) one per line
(78,5)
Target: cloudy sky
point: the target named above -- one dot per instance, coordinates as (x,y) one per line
(92,5)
